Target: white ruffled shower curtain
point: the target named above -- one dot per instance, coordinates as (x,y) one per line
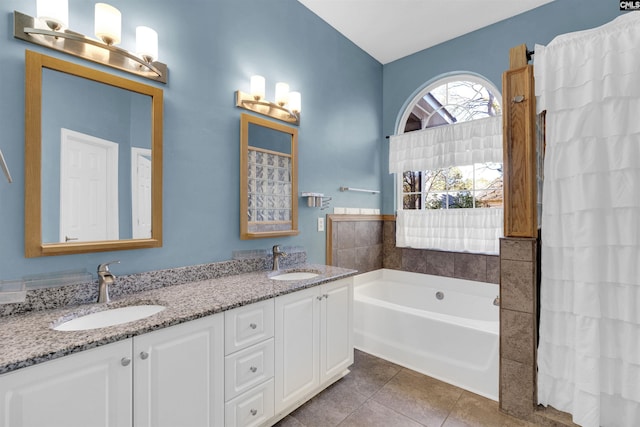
(589,348)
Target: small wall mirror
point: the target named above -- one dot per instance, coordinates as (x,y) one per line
(268,178)
(93,160)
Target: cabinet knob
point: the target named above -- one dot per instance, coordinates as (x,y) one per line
(253,412)
(253,326)
(325,296)
(319,298)
(144,355)
(125,361)
(253,369)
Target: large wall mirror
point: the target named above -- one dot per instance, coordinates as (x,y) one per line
(268,178)
(93,160)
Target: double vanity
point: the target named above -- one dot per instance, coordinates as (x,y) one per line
(239,350)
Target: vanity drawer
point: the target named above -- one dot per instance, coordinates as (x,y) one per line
(247,368)
(248,325)
(251,408)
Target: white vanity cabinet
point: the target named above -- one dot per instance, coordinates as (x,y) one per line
(249,364)
(246,367)
(90,388)
(179,375)
(313,341)
(169,377)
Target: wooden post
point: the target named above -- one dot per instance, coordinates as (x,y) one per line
(519,147)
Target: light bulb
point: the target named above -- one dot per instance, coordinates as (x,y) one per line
(295,102)
(147,43)
(108,23)
(257,87)
(54,12)
(282,94)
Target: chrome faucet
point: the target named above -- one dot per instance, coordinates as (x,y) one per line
(277,254)
(105,279)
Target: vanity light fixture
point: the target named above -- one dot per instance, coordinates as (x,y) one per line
(286,108)
(50,30)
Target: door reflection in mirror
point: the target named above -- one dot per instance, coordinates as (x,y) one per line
(92,189)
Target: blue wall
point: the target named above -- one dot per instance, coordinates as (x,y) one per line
(212,48)
(484,52)
(349,101)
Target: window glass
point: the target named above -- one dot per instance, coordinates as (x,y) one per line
(452,100)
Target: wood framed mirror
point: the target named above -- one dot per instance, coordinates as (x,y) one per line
(93,160)
(268,178)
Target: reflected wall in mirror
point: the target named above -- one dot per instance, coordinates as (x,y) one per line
(93,160)
(268,178)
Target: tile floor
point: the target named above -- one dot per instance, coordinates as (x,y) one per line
(380,393)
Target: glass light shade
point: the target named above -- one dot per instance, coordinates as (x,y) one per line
(295,102)
(54,12)
(257,87)
(147,43)
(282,93)
(108,23)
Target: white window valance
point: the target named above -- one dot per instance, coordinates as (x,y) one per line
(459,144)
(458,230)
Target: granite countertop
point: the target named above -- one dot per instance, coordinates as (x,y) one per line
(28,339)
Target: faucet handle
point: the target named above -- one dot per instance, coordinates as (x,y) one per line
(104,268)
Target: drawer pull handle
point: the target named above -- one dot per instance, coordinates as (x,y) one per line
(253,369)
(125,361)
(144,355)
(254,412)
(253,326)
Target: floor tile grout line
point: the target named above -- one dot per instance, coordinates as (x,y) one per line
(366,400)
(453,407)
(371,397)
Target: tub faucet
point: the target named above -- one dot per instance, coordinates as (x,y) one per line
(277,254)
(105,279)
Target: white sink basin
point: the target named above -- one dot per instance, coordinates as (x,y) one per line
(113,316)
(295,275)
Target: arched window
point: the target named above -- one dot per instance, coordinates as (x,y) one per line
(452,161)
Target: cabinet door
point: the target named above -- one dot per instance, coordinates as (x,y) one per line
(336,328)
(179,375)
(87,389)
(297,340)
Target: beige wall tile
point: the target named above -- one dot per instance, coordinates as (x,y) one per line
(517,285)
(517,330)
(516,388)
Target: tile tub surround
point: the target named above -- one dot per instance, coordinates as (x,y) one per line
(28,339)
(355,241)
(85,293)
(368,242)
(518,326)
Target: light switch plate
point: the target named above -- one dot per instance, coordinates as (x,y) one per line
(320,224)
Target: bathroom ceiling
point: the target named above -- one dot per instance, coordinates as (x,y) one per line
(392,29)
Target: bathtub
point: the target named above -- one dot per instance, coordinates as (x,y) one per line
(442,327)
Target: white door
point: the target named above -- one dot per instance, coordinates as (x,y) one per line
(297,341)
(179,375)
(141,192)
(91,388)
(336,328)
(88,188)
